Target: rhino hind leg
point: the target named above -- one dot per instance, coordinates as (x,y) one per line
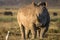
(33,34)
(26,33)
(21,31)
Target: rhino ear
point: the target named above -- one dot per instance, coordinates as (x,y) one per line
(43,4)
(36,5)
(39,3)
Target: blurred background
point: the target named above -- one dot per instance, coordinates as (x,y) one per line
(8,20)
(19,3)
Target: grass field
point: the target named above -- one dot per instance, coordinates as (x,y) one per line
(9,23)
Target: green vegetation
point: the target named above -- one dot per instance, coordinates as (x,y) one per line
(7,19)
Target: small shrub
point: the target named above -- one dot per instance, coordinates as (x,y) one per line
(54,14)
(8,13)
